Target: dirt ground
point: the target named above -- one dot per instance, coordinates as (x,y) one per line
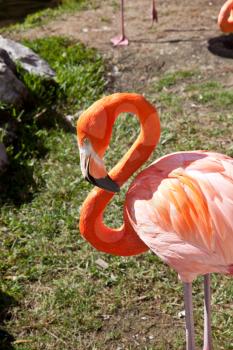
(185,37)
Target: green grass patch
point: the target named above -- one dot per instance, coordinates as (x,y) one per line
(211,93)
(44,16)
(170,79)
(180,90)
(171,101)
(79,72)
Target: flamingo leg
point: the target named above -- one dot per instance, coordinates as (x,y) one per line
(189,323)
(207,314)
(154,12)
(121,39)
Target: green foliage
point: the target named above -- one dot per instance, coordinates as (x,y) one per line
(211,93)
(44,16)
(79,72)
(173,78)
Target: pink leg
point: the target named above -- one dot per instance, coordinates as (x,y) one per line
(121,39)
(190,342)
(207,312)
(154,12)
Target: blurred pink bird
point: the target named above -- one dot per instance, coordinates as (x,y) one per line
(225,17)
(122,39)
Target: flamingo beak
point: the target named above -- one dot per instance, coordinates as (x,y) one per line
(93,170)
(106,183)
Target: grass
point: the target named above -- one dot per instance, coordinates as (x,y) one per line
(211,93)
(54,294)
(171,79)
(44,16)
(79,72)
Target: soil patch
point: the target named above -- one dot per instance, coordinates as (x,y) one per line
(186,37)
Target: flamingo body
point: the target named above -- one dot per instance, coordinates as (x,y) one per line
(181,207)
(225,17)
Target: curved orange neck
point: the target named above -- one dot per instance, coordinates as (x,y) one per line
(122,241)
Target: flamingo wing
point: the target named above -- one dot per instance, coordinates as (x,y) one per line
(182,208)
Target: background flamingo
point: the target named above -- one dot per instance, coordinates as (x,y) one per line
(181,206)
(225,17)
(122,39)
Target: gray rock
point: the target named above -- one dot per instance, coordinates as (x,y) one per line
(12,90)
(29,60)
(8,61)
(3,158)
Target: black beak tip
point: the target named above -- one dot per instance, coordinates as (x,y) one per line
(106,183)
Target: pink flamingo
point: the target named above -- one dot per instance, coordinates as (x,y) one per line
(225,17)
(122,39)
(181,206)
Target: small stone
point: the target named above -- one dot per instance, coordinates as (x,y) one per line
(69,122)
(181,314)
(115,71)
(106,317)
(69,118)
(101,263)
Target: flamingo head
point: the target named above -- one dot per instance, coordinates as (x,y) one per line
(94,129)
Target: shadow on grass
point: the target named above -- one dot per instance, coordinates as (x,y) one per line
(221,46)
(6,302)
(23,144)
(13,11)
(25,140)
(18,183)
(6,340)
